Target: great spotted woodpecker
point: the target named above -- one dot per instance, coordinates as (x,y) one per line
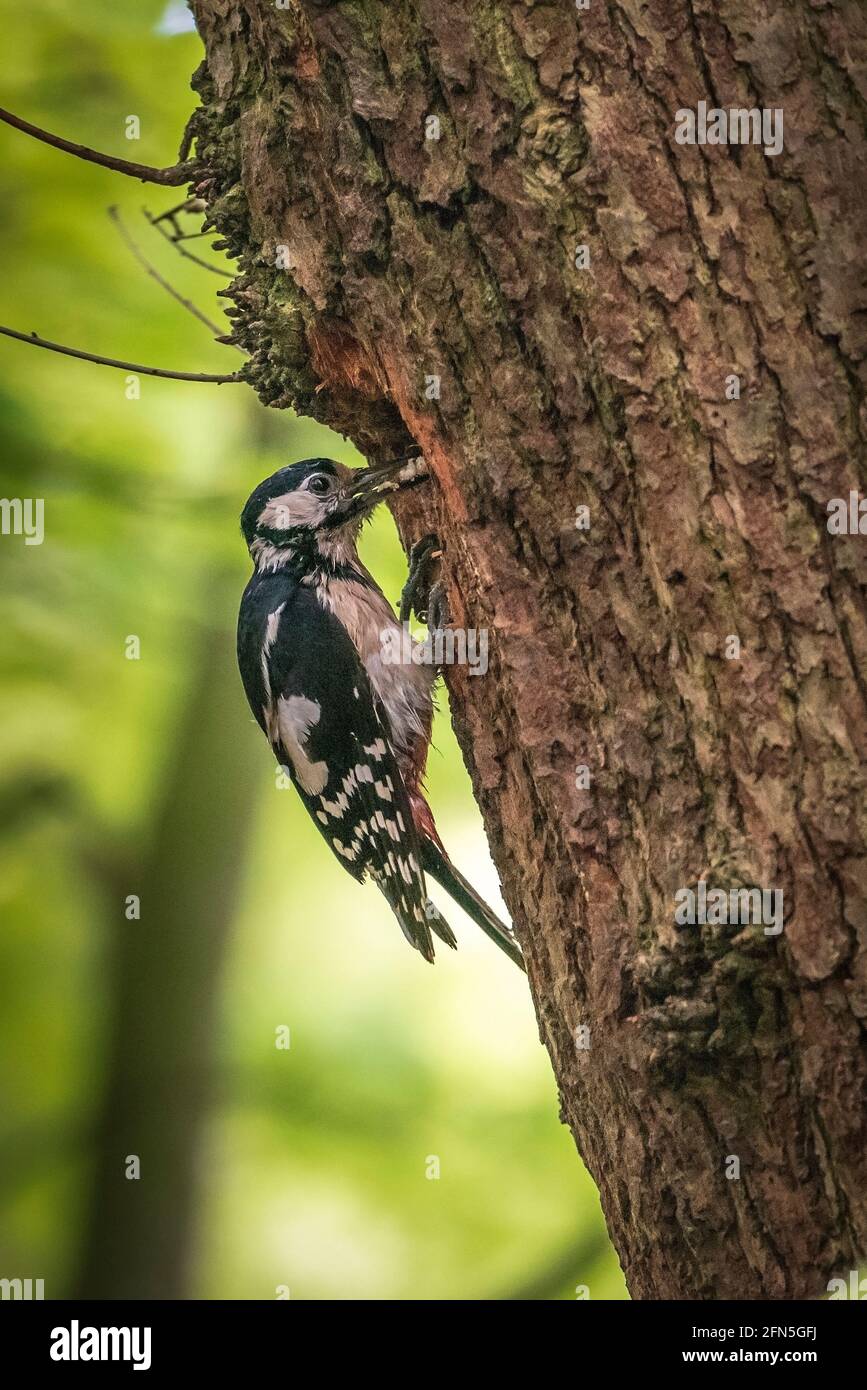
(351,728)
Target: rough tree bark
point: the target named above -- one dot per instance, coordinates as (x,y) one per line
(411,258)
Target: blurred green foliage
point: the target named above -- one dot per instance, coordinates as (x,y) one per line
(312,1166)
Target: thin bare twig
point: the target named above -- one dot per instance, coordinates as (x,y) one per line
(174,241)
(35,339)
(132,245)
(173,176)
(188,205)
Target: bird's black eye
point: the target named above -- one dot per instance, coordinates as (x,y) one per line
(320,484)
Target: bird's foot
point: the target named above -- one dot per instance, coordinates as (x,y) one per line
(423,593)
(438,616)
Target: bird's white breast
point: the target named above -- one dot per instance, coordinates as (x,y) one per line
(404,687)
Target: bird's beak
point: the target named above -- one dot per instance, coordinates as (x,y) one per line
(369,486)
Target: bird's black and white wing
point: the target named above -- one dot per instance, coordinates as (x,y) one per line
(308,689)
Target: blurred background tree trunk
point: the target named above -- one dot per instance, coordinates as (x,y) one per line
(159,1087)
(637,370)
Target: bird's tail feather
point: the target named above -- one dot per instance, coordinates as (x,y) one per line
(418,934)
(439,925)
(437,863)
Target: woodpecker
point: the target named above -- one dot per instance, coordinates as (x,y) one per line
(351,729)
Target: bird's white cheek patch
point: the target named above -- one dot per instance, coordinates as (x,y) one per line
(296,716)
(299,508)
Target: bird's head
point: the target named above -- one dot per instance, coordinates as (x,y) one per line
(313,510)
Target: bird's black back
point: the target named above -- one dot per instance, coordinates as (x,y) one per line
(362,808)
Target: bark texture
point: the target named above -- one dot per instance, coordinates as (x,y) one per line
(411,258)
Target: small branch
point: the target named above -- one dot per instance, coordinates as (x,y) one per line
(115,362)
(174,176)
(188,205)
(175,240)
(114,214)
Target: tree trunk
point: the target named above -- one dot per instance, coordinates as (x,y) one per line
(695,639)
(158,1091)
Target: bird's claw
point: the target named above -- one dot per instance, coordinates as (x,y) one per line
(423,594)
